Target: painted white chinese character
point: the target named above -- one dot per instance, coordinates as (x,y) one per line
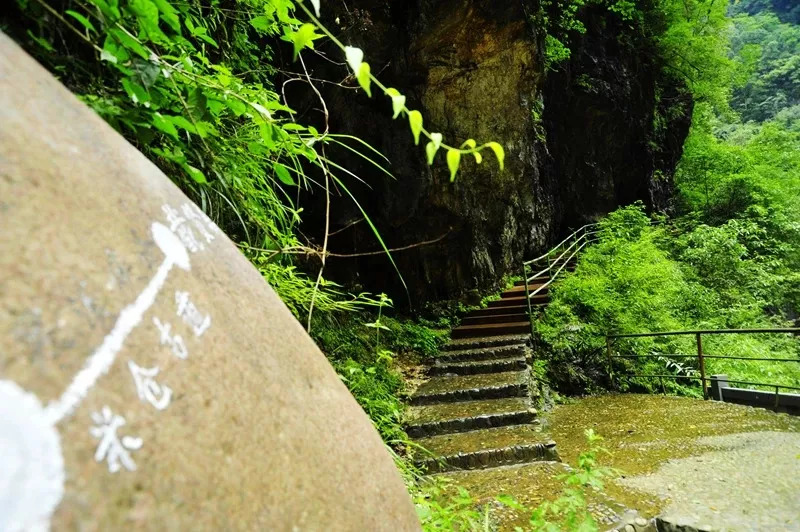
(174,218)
(147,388)
(175,342)
(193,213)
(188,239)
(111,448)
(187,310)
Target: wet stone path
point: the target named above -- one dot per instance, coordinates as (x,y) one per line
(702,465)
(475,417)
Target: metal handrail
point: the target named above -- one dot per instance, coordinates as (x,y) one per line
(581,238)
(708,331)
(555,261)
(545,285)
(571,235)
(698,334)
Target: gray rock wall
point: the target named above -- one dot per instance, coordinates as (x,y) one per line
(475,69)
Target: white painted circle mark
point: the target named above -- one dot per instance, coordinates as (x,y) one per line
(32,482)
(171,245)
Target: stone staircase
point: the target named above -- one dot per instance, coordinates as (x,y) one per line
(476,411)
(476,417)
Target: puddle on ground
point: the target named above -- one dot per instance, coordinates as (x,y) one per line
(642,434)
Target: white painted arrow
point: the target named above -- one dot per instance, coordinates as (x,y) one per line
(101,360)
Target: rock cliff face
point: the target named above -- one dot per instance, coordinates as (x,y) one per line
(475,69)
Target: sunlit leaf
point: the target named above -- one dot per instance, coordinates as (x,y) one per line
(304,37)
(283,174)
(364,79)
(195,174)
(354,57)
(83,20)
(498,152)
(453,159)
(430,149)
(398,101)
(415,121)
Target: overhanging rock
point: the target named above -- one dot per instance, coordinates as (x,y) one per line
(149,377)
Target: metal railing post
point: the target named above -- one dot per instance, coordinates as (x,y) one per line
(702,363)
(608,355)
(528,297)
(777,397)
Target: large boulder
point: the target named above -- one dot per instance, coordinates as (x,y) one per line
(149,377)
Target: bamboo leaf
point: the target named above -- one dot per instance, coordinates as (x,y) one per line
(83,20)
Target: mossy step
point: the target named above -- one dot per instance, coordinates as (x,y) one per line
(496,311)
(484,459)
(444,418)
(518,291)
(485,439)
(489,329)
(468,387)
(494,365)
(518,301)
(490,341)
(495,318)
(481,353)
(531,484)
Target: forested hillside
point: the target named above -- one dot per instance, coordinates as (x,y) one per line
(729,256)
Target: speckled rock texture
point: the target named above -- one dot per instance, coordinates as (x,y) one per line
(149,378)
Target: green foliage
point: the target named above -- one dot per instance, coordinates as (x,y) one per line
(643,278)
(570,510)
(443,506)
(771,48)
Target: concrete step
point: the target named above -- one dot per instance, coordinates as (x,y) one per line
(475,354)
(446,418)
(518,301)
(493,365)
(484,448)
(472,387)
(511,317)
(494,311)
(538,280)
(493,341)
(519,291)
(491,329)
